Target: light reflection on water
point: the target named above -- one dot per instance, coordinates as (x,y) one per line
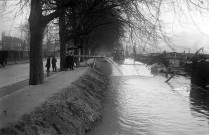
(139,103)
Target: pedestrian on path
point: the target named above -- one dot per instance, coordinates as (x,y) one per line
(71,61)
(54,66)
(3,62)
(48,64)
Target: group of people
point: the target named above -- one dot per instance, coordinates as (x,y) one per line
(48,65)
(70,61)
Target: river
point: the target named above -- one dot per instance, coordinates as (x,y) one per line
(141,103)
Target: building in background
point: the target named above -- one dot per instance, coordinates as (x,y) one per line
(12,43)
(13,48)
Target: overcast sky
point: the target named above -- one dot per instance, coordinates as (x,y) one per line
(11,18)
(189,29)
(189,34)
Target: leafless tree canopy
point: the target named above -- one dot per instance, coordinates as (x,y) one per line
(94,23)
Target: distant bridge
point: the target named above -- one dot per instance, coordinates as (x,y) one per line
(99,56)
(90,56)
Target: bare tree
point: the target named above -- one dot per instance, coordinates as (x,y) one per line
(141,19)
(25,35)
(42,12)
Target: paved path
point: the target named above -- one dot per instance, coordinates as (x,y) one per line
(7,90)
(16,73)
(23,101)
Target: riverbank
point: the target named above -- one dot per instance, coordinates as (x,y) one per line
(72,109)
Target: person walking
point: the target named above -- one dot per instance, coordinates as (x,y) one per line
(71,61)
(54,66)
(48,64)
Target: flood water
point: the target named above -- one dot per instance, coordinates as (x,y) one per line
(141,103)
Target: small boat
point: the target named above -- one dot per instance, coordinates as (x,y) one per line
(157,67)
(119,55)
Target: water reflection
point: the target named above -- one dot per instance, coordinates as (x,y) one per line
(139,103)
(199,101)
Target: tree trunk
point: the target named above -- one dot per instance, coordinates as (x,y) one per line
(36,59)
(62,40)
(37,23)
(81,45)
(36,37)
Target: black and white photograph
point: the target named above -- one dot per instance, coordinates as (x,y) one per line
(104,67)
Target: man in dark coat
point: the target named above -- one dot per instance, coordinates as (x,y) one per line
(71,61)
(67,61)
(54,66)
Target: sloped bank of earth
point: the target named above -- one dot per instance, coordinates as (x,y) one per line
(69,112)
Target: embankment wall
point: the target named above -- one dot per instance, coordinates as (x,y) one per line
(72,111)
